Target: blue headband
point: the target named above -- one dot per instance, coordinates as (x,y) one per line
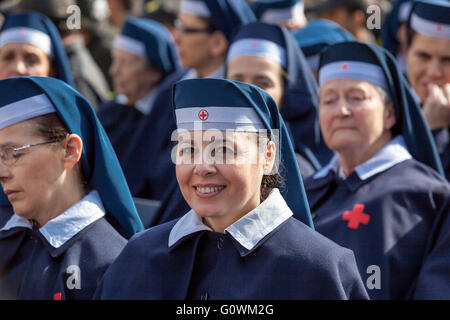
(431,18)
(150,39)
(100,165)
(299,101)
(410,122)
(212,95)
(318,35)
(276,11)
(38,30)
(226,15)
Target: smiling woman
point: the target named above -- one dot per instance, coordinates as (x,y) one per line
(233,243)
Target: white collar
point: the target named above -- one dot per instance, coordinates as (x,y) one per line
(248,230)
(218,74)
(391,154)
(145,104)
(69,223)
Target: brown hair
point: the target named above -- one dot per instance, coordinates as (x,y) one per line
(50,127)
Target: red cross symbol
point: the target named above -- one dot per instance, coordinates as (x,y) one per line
(439,27)
(255,44)
(203,115)
(22,32)
(356,216)
(344,67)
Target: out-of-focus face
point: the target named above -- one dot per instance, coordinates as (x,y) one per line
(33,182)
(22,59)
(428,62)
(259,71)
(221,176)
(131,74)
(194,48)
(353,116)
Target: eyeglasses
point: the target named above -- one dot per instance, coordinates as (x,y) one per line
(185,30)
(10,155)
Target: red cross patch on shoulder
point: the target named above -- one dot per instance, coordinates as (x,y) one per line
(356,216)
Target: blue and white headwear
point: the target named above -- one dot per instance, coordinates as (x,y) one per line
(232,104)
(151,40)
(431,18)
(398,15)
(226,15)
(318,35)
(39,31)
(278,11)
(24,98)
(371,63)
(299,101)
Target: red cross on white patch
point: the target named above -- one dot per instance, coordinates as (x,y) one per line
(255,44)
(344,67)
(438,27)
(203,115)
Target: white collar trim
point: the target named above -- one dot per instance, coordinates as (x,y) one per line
(68,224)
(391,154)
(248,230)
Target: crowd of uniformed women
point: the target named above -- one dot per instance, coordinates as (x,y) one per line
(230,149)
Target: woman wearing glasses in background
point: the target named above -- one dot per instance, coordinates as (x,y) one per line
(72,207)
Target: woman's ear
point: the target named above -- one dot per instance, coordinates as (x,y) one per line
(269,158)
(218,44)
(73,148)
(389,116)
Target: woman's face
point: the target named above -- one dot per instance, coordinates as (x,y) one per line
(22,59)
(352,115)
(220,177)
(31,184)
(194,48)
(259,71)
(428,62)
(131,74)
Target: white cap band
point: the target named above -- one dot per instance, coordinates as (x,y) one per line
(129,44)
(197,8)
(354,70)
(27,35)
(430,28)
(219,118)
(258,48)
(25,109)
(284,14)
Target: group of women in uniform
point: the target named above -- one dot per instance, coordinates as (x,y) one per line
(274,185)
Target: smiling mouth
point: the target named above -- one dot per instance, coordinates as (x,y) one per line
(208,191)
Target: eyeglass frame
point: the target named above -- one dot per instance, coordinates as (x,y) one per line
(184,30)
(24,147)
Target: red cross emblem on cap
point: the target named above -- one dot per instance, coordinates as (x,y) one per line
(356,216)
(255,44)
(203,115)
(22,32)
(344,67)
(439,27)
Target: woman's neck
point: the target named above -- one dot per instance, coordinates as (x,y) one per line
(352,157)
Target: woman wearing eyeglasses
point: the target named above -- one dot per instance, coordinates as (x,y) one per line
(72,207)
(30,45)
(203,31)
